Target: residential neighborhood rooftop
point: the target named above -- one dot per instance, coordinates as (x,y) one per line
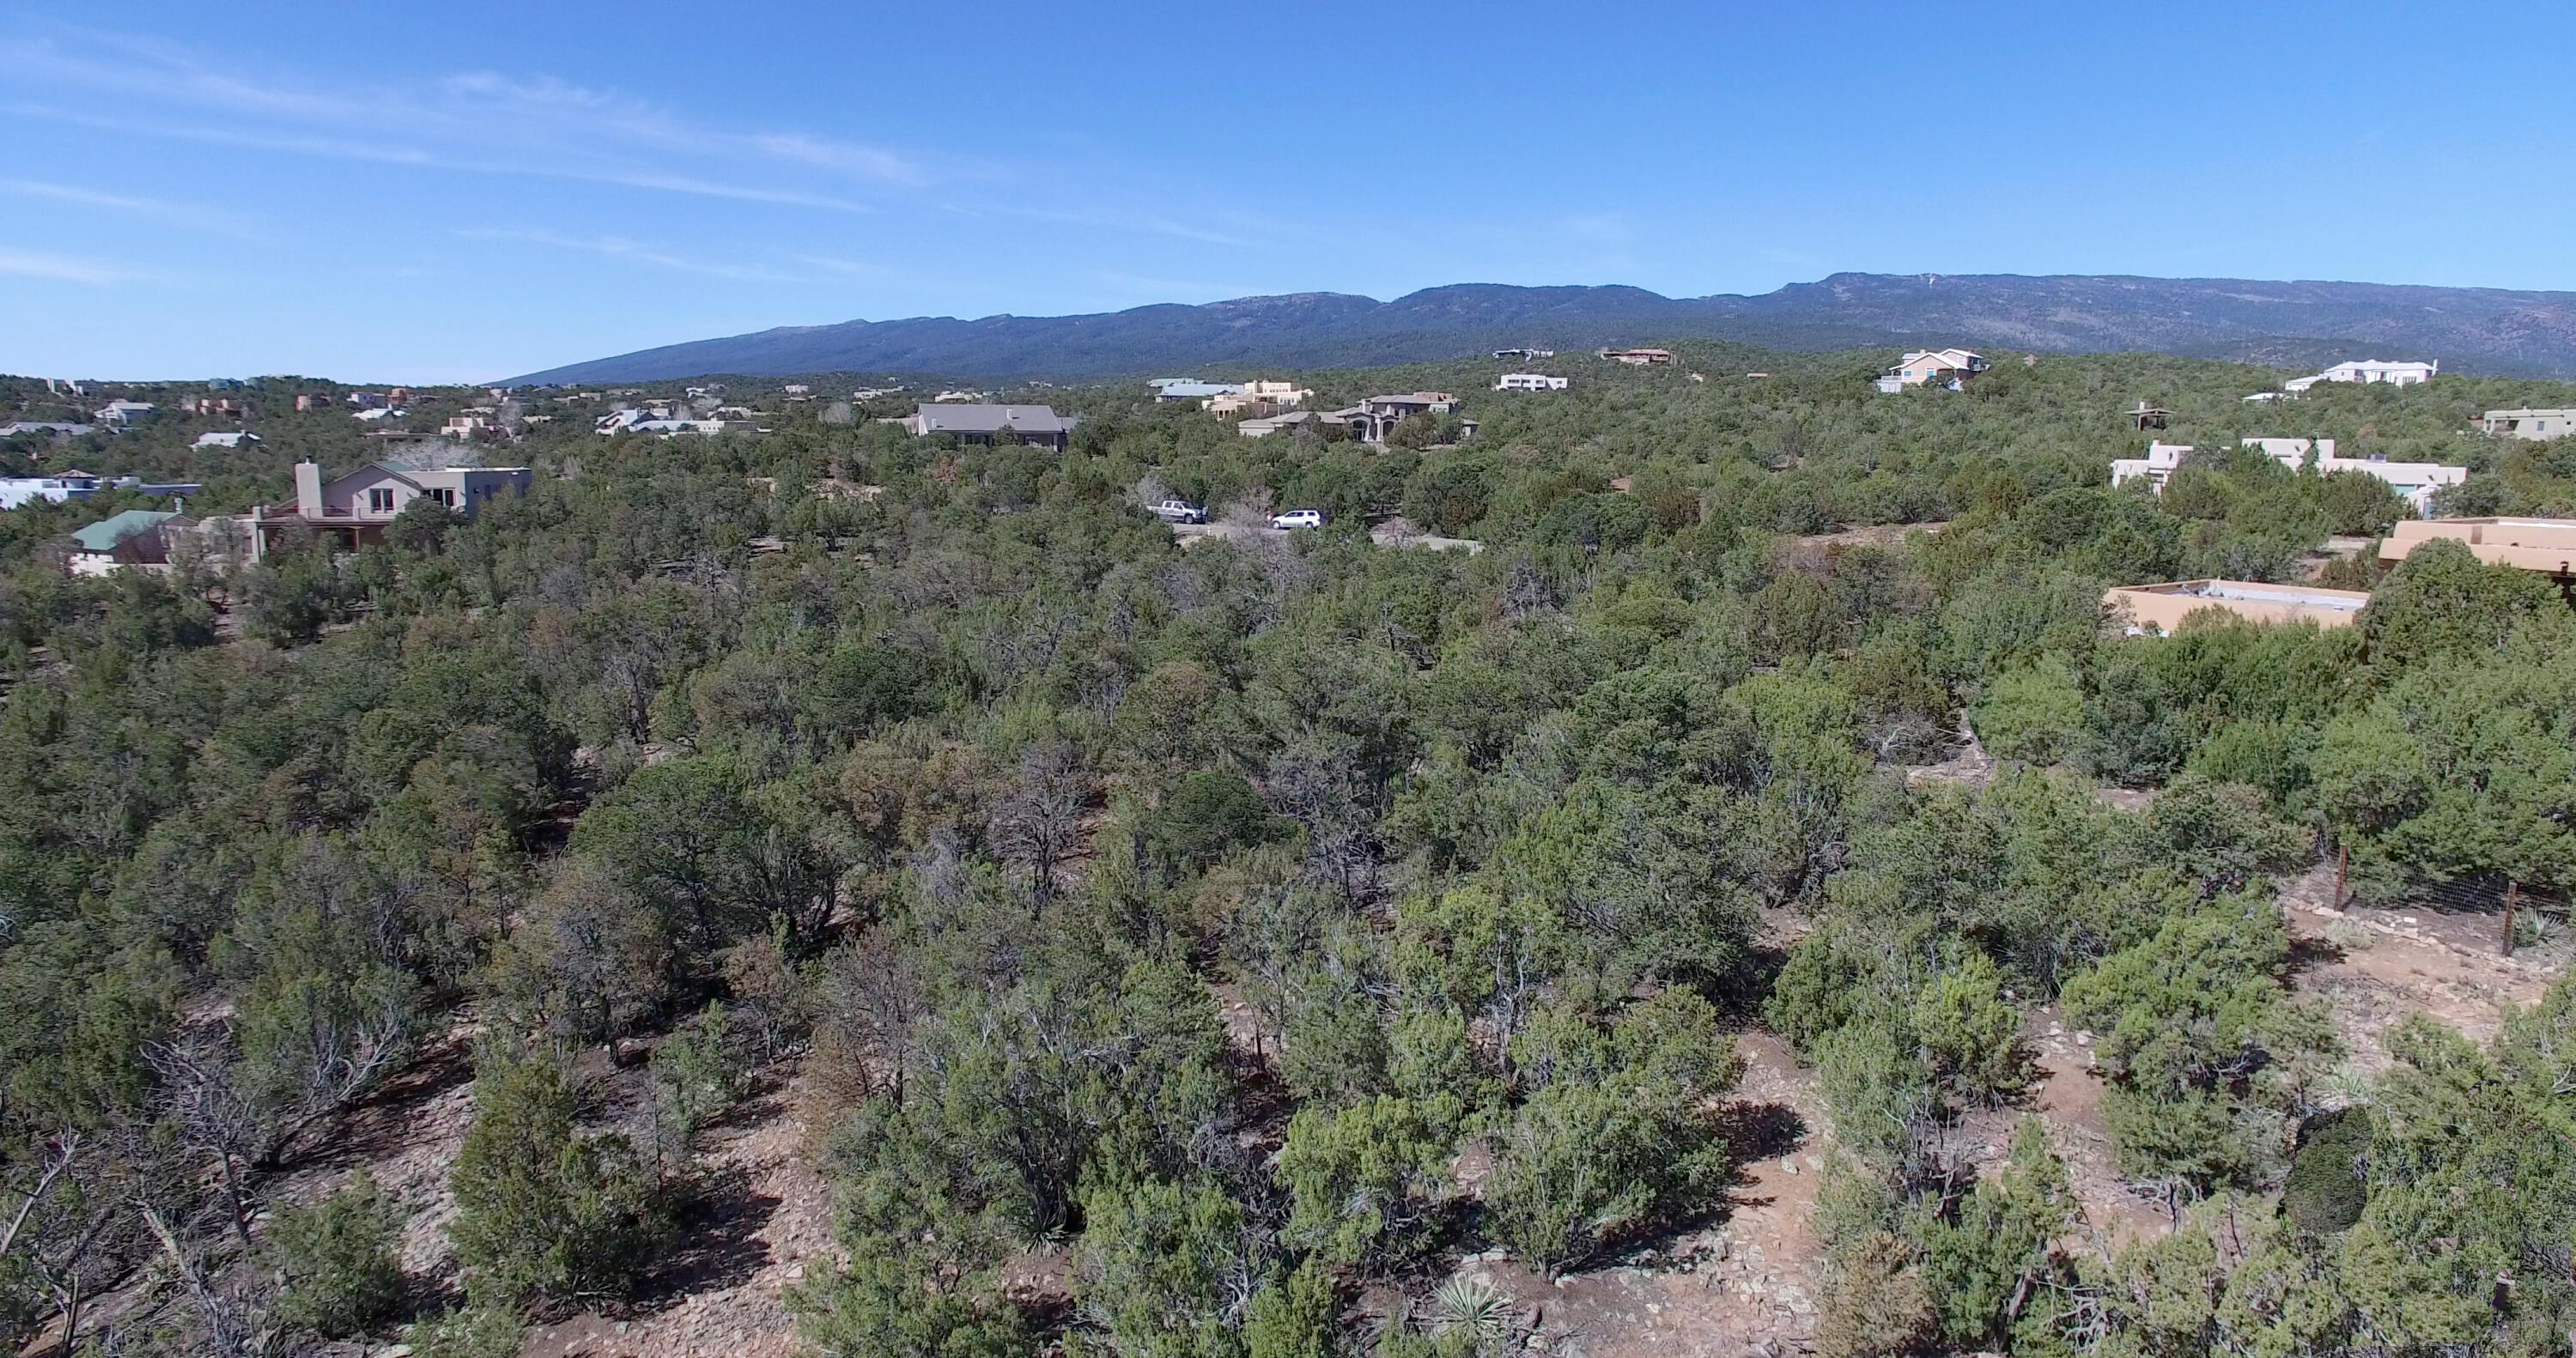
(2162,607)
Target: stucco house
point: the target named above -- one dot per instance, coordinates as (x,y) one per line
(2551,422)
(1259,399)
(1529,382)
(2545,545)
(2155,610)
(355,506)
(2415,482)
(2396,373)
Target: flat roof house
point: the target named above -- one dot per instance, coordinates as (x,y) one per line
(1638,358)
(70,485)
(356,506)
(2156,467)
(2395,373)
(2552,422)
(1528,382)
(2157,610)
(2547,545)
(2415,482)
(1259,399)
(985,423)
(135,538)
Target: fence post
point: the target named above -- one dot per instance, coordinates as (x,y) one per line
(2512,891)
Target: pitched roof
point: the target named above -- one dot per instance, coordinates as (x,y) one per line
(989,419)
(103,535)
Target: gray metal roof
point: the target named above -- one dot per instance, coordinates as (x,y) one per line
(946,418)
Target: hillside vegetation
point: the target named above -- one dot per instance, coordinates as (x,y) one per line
(1204,949)
(2472,330)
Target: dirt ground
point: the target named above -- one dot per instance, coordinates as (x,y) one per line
(764,1218)
(2373,967)
(1744,1282)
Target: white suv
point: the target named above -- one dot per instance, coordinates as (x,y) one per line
(1298,518)
(1177,511)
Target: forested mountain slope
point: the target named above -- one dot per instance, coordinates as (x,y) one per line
(842,893)
(2487,330)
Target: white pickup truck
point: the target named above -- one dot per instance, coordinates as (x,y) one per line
(1177,511)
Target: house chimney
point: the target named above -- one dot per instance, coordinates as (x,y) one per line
(308,489)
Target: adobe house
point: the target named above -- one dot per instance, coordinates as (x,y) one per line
(2157,610)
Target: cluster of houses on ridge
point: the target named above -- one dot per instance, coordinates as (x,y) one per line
(1952,368)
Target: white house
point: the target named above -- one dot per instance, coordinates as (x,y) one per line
(2395,374)
(2415,481)
(2555,422)
(1528,382)
(1943,367)
(119,414)
(71,485)
(2156,467)
(233,439)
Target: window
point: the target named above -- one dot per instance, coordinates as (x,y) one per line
(380,500)
(443,496)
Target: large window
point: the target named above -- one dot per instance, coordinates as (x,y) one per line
(380,500)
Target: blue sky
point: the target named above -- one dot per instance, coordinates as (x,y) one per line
(432,193)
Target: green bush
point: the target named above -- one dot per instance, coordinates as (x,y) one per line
(475,1332)
(542,1209)
(698,1073)
(1362,1181)
(2033,714)
(337,1259)
(2326,1190)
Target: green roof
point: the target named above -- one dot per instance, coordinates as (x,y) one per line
(103,535)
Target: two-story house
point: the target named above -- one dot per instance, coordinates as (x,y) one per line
(1949,368)
(355,506)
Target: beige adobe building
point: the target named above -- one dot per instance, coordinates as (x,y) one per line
(2528,422)
(2157,610)
(1259,400)
(2532,544)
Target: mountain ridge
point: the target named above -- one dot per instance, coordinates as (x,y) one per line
(2286,323)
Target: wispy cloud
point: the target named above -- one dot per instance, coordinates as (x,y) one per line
(472,121)
(618,247)
(63,268)
(186,213)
